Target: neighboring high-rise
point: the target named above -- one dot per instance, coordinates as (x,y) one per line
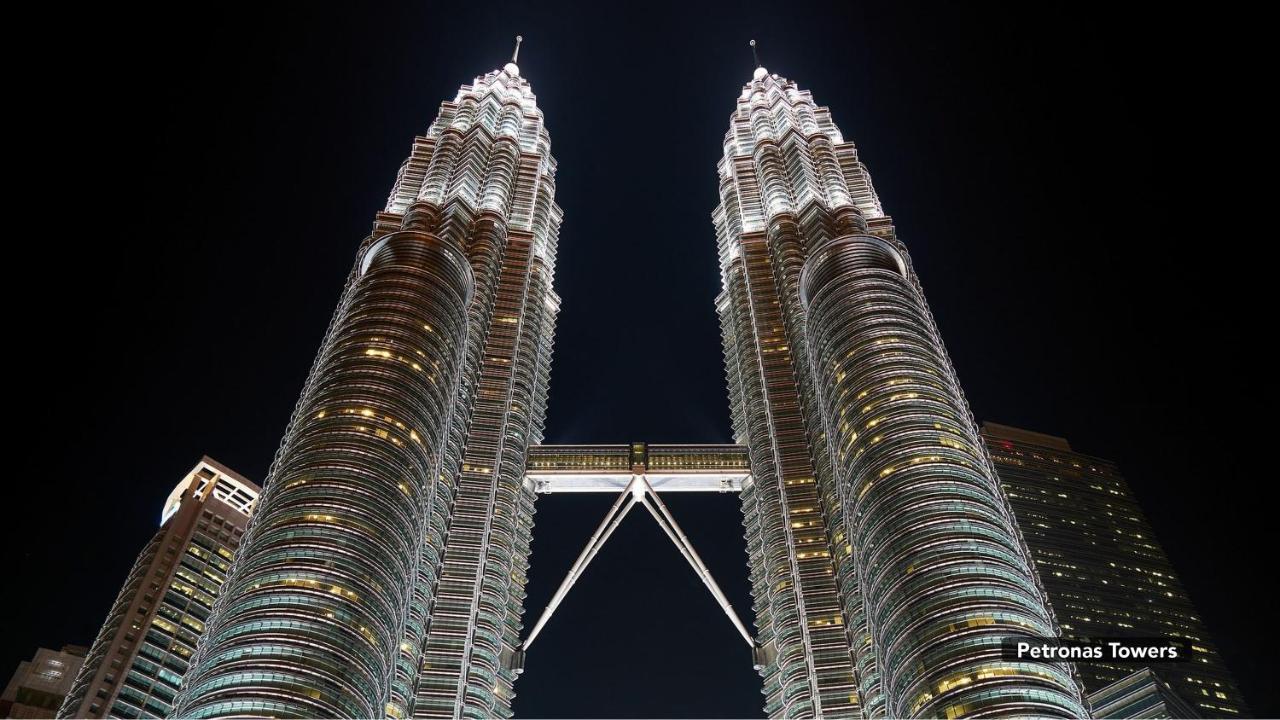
(886,565)
(1141,694)
(40,685)
(384,571)
(1099,560)
(136,664)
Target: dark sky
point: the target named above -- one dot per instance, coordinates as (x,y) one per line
(193,188)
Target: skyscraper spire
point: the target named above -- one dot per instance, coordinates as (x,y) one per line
(515,55)
(760,72)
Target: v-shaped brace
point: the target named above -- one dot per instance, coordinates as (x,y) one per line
(638,492)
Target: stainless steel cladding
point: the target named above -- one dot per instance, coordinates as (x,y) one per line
(944,575)
(316,601)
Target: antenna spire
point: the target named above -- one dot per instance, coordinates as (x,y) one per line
(516,54)
(755,56)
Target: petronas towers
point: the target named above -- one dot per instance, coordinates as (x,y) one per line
(886,565)
(383,573)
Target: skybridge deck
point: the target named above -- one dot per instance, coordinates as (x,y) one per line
(610,468)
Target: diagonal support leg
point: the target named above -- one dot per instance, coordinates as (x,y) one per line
(638,491)
(669,525)
(610,523)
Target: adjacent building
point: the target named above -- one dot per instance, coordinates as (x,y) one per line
(134,667)
(1142,694)
(384,572)
(1102,566)
(40,685)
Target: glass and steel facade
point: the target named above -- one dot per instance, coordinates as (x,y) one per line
(384,571)
(1142,694)
(886,565)
(136,664)
(1105,572)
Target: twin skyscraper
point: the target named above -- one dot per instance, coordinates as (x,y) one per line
(383,573)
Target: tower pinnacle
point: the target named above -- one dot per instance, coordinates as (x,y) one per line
(760,72)
(512,68)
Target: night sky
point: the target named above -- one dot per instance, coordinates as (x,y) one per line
(194,188)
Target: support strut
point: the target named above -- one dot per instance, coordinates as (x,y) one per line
(638,491)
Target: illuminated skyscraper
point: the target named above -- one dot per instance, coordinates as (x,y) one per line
(1104,570)
(136,664)
(384,571)
(885,562)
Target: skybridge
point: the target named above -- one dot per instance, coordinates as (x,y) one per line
(637,474)
(609,468)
